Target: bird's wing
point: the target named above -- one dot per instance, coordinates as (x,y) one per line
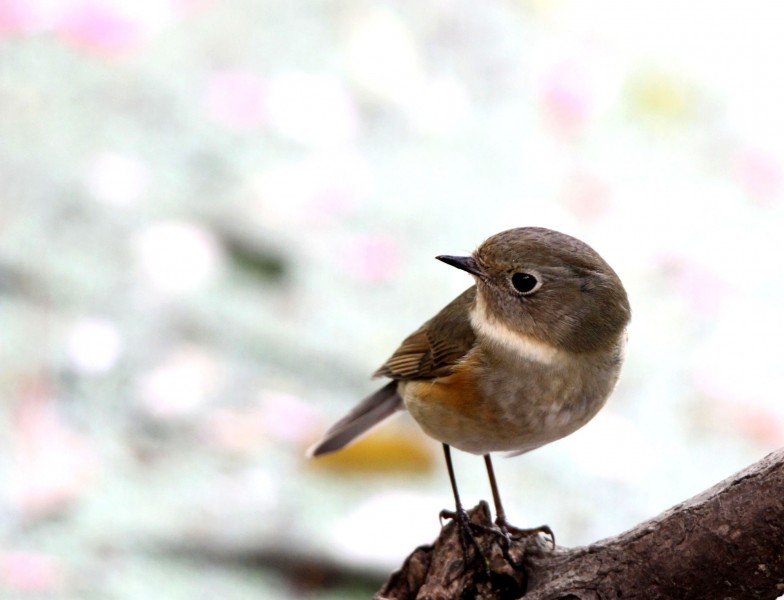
(430,352)
(433,349)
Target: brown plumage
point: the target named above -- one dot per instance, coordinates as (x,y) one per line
(524,357)
(433,349)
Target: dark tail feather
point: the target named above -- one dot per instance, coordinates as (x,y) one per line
(373,409)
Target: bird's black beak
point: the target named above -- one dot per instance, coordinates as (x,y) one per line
(465,263)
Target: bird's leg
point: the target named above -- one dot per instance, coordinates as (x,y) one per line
(460,516)
(510,531)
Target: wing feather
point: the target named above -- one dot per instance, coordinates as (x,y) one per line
(433,349)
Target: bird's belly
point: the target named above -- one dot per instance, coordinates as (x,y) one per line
(510,413)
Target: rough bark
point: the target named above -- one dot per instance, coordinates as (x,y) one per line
(725,543)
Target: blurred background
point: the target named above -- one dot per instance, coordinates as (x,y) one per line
(218,218)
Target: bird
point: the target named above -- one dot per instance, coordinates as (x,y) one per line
(524,357)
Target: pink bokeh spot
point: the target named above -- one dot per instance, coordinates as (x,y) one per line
(703,290)
(373,258)
(53,464)
(566,102)
(276,417)
(288,418)
(759,174)
(29,571)
(108,29)
(331,203)
(18,17)
(758,424)
(235,431)
(236,99)
(102,30)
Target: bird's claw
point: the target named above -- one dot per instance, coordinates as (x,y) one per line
(511,532)
(465,531)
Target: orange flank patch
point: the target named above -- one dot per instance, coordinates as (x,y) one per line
(456,391)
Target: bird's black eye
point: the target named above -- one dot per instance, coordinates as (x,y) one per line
(525,283)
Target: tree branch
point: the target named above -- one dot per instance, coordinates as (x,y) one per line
(727,542)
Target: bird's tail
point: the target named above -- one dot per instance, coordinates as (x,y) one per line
(372,410)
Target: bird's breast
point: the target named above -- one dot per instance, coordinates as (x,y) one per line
(491,404)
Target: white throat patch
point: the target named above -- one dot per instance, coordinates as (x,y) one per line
(518,343)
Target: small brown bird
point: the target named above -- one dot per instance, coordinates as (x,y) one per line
(525,357)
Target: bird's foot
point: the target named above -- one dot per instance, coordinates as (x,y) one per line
(510,532)
(465,529)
